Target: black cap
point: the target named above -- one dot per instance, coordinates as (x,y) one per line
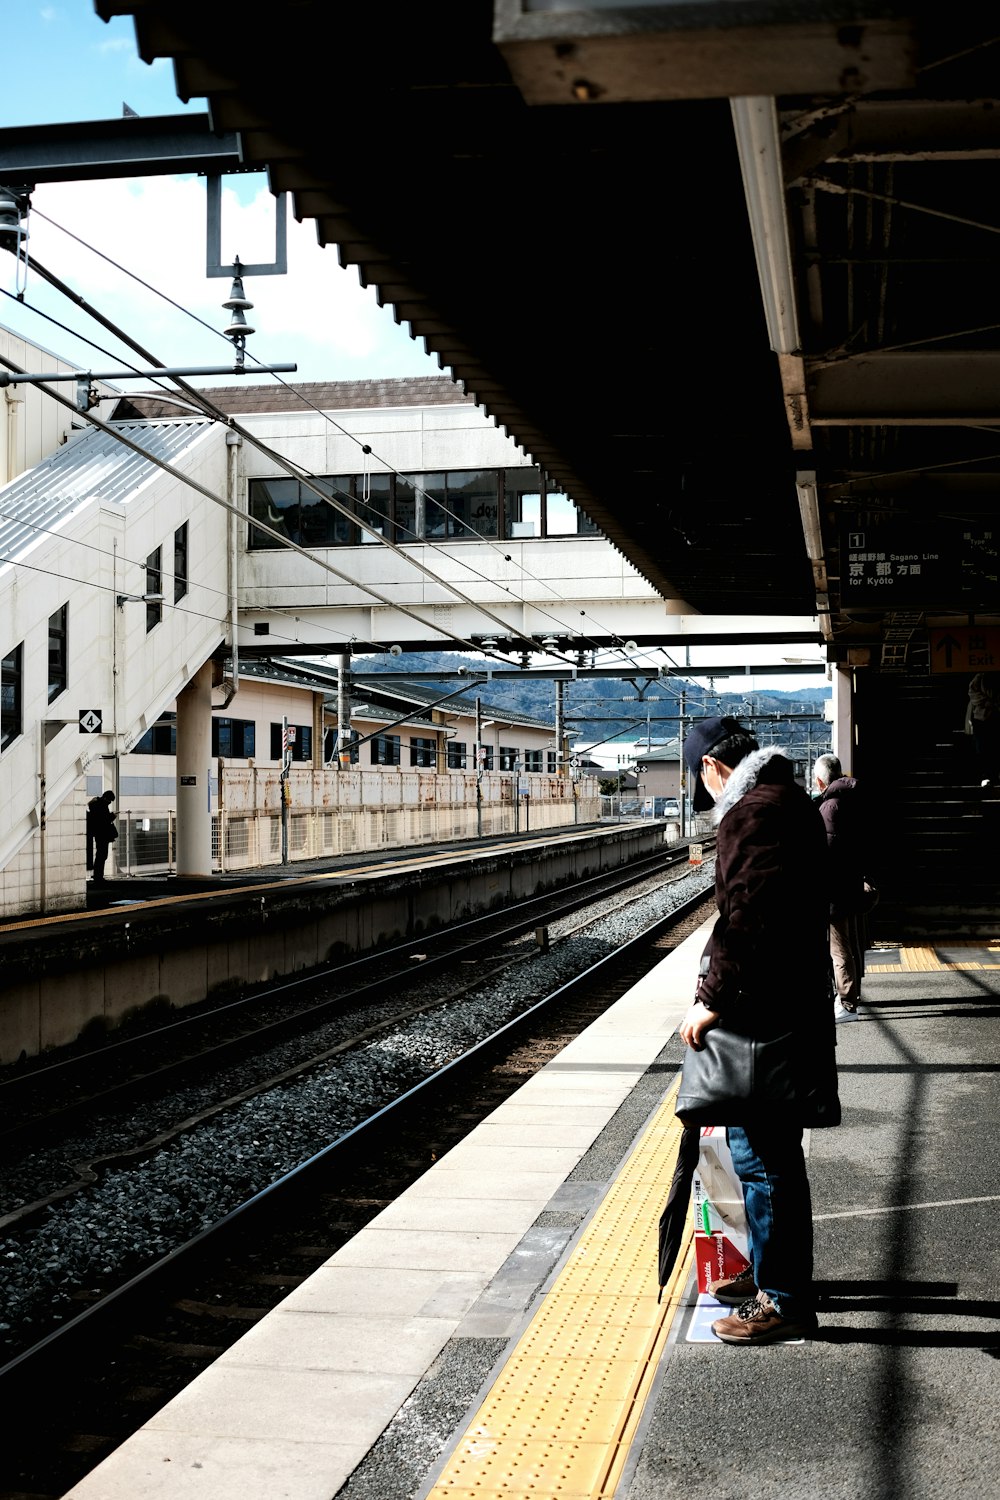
(700,740)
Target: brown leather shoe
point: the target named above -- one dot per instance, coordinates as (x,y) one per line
(759,1322)
(734,1289)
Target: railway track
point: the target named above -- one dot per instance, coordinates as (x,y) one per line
(99,1375)
(41,1100)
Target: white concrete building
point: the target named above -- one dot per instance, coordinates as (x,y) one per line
(142,553)
(410,774)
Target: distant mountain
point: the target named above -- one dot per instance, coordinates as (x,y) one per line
(608,708)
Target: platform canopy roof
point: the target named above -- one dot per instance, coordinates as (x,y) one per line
(763,356)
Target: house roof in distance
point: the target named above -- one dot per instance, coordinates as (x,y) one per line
(668,752)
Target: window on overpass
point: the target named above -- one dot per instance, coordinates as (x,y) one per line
(322,524)
(439,505)
(563,518)
(373,503)
(276,503)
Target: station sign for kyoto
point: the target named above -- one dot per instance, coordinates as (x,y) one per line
(887,563)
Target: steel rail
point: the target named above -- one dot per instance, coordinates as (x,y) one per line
(62,1353)
(15,1093)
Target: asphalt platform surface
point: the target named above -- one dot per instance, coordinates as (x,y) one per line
(896,1399)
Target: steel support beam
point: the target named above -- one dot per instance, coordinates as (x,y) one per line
(130,147)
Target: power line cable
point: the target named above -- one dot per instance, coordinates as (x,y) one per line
(295,470)
(201,489)
(302,475)
(390,468)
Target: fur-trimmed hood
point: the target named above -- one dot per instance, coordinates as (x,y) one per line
(748,773)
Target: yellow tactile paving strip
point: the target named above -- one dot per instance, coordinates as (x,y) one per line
(565,1407)
(925,960)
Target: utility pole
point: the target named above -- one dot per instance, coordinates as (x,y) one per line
(344,711)
(286,755)
(517,794)
(479,767)
(681,778)
(560,727)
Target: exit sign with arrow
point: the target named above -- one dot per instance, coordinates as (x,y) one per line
(966,648)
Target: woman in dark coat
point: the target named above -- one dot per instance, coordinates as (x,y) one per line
(765,970)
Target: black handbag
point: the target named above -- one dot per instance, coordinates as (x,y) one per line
(736,1079)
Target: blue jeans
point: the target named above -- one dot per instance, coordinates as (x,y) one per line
(769,1163)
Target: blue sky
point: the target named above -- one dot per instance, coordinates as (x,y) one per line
(63,63)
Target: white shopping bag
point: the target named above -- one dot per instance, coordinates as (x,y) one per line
(720,1222)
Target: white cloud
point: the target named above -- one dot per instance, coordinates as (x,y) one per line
(317,315)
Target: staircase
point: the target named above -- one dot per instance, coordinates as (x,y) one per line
(937,841)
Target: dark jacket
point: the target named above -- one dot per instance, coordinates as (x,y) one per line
(842,808)
(766,964)
(984,699)
(100,821)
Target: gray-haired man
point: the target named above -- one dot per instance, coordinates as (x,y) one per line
(841,806)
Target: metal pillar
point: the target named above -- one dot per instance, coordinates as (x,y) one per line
(681,768)
(560,729)
(842,728)
(194,775)
(286,760)
(479,767)
(344,711)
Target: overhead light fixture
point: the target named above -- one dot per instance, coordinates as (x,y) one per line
(805,486)
(808,493)
(755,121)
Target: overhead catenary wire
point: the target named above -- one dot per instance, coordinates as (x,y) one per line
(304,400)
(208,410)
(332,422)
(201,489)
(200,403)
(296,471)
(197,403)
(107,588)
